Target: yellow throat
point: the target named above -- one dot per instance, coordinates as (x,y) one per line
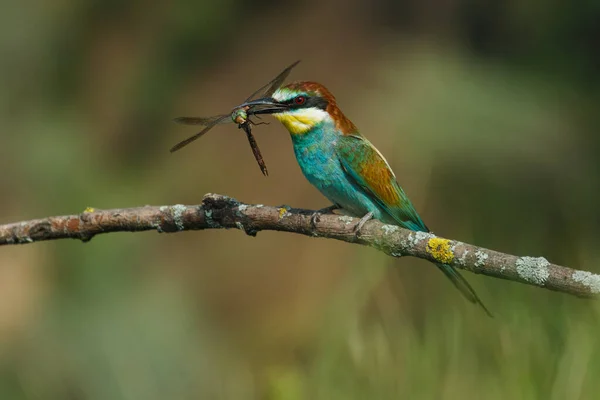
(301,121)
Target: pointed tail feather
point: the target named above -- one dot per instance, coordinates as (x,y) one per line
(462,285)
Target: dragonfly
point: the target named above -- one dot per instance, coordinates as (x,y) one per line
(239,115)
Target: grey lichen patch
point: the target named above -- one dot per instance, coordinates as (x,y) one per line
(163,208)
(208,215)
(243,207)
(413,239)
(406,244)
(481,258)
(178,210)
(533,269)
(462,260)
(156,225)
(389,229)
(591,281)
(240,226)
(20,238)
(419,236)
(422,236)
(259,206)
(24,239)
(346,219)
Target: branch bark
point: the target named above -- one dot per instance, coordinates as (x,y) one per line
(218,211)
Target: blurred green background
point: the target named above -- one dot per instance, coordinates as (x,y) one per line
(487,110)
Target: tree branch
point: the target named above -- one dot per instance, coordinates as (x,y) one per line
(217,211)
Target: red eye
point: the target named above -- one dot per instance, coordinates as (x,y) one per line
(300,100)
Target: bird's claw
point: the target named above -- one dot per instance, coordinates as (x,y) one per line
(314,219)
(368,216)
(316,216)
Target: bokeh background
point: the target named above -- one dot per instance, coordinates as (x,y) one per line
(487,110)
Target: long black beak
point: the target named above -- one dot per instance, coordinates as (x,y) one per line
(265,105)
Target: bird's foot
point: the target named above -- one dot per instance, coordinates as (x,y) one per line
(315,217)
(367,217)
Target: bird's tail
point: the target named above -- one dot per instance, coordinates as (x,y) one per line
(462,285)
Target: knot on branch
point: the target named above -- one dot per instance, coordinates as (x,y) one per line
(226,212)
(218,201)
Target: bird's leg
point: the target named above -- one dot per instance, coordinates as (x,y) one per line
(368,216)
(317,214)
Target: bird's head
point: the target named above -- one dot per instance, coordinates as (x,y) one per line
(301,107)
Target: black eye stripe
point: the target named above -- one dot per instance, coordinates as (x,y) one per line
(310,102)
(317,102)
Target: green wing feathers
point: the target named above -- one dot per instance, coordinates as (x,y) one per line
(370,171)
(367,167)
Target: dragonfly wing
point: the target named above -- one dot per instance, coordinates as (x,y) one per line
(209,122)
(268,89)
(199,134)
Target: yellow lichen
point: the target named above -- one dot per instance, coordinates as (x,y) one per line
(282,212)
(440,250)
(89,209)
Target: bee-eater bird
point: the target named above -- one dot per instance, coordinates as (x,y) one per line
(343,164)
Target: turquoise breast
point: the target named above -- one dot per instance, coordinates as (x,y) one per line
(316,155)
